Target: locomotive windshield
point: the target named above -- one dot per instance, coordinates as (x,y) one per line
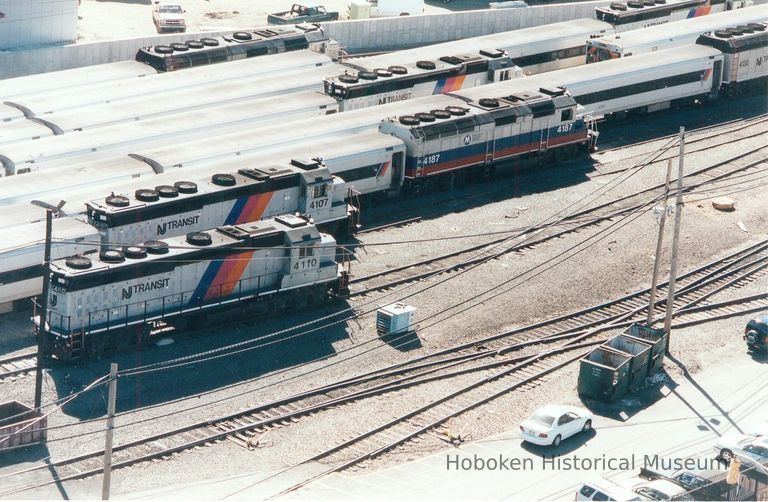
(595,55)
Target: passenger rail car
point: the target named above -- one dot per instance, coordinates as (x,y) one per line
(238,45)
(163,88)
(670,35)
(119,295)
(644,83)
(487,131)
(21,269)
(745,57)
(249,195)
(636,14)
(123,71)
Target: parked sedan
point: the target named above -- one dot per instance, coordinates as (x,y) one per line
(551,424)
(747,448)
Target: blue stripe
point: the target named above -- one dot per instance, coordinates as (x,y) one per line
(205,282)
(237,209)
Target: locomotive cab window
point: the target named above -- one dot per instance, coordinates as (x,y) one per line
(305,251)
(566,115)
(319,191)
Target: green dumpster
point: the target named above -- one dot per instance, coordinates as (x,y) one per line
(656,338)
(639,352)
(604,375)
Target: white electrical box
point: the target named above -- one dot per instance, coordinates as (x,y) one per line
(395,318)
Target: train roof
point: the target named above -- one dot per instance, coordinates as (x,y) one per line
(65,79)
(193,109)
(682,30)
(603,74)
(631,11)
(23,130)
(265,233)
(123,138)
(28,235)
(340,127)
(165,85)
(737,38)
(516,43)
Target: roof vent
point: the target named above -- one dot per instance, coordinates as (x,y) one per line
(118,201)
(146,195)
(78,262)
(111,256)
(135,252)
(425,117)
(398,70)
(156,247)
(186,186)
(409,120)
(489,102)
(223,180)
(167,191)
(426,65)
(199,238)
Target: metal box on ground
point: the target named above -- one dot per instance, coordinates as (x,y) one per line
(657,339)
(640,353)
(604,375)
(20,426)
(395,318)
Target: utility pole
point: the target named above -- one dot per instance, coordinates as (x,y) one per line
(42,333)
(659,243)
(675,238)
(110,431)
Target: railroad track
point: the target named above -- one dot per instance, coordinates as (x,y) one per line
(698,134)
(505,351)
(581,220)
(17,366)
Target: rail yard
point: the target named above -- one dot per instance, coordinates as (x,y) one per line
(234,248)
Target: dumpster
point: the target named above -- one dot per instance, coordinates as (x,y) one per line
(640,353)
(656,338)
(27,425)
(604,375)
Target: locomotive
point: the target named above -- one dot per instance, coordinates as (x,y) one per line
(124,296)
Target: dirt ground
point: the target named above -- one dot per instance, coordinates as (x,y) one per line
(115,19)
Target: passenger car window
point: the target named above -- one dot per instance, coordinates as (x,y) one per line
(565,419)
(587,491)
(600,496)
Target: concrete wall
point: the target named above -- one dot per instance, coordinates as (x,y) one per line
(37,22)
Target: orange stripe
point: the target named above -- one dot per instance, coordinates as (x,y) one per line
(229,274)
(255,207)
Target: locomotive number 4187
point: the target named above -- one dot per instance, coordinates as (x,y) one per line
(564,128)
(431,159)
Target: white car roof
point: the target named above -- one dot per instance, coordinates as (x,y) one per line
(612,489)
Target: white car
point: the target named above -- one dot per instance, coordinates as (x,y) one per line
(749,448)
(551,424)
(603,489)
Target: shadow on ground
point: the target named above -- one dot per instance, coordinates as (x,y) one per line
(257,354)
(568,445)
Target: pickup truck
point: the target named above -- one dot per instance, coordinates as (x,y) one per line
(168,16)
(301,14)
